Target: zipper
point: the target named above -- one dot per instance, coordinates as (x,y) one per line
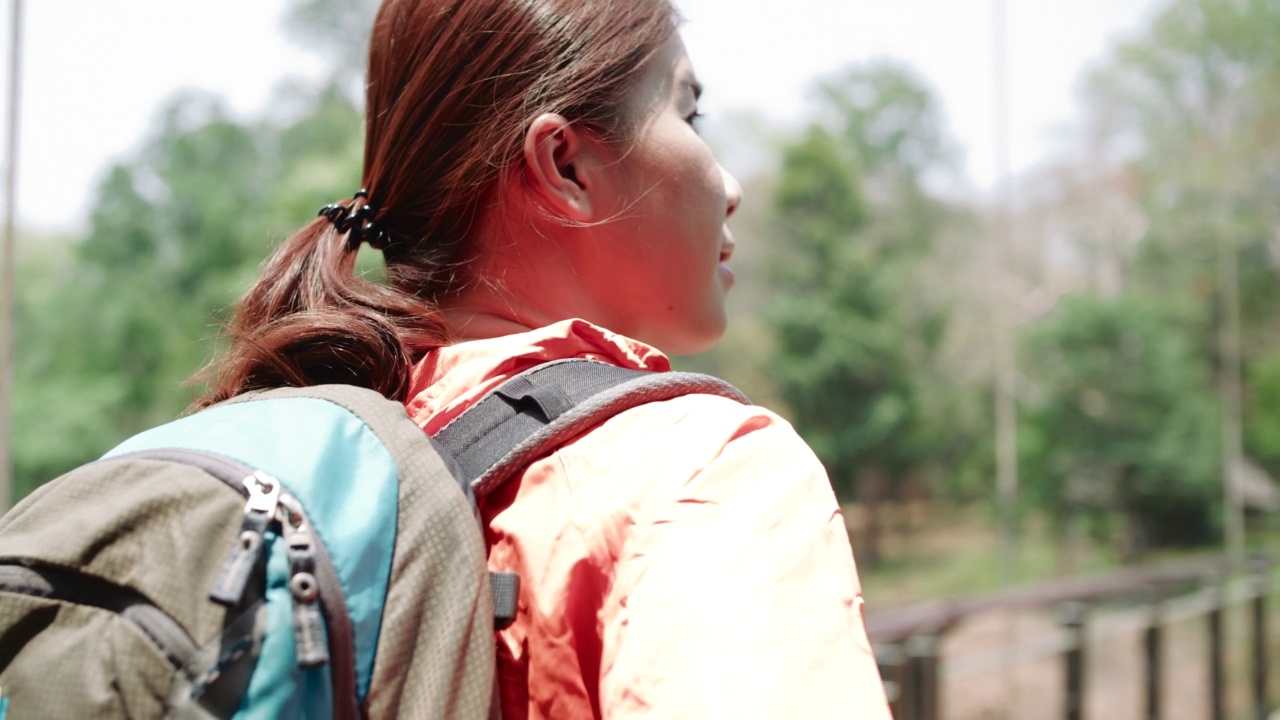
(259,511)
(310,644)
(325,614)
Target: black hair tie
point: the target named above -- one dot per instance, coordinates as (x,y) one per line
(359,224)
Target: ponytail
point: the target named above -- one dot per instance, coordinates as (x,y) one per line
(310,320)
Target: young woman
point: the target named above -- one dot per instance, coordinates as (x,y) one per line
(536,184)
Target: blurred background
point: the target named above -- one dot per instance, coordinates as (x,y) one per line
(1010,267)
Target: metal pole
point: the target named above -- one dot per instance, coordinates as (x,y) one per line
(892,661)
(922,651)
(1229,348)
(1261,583)
(1072,617)
(7,297)
(1153,646)
(1217,688)
(1005,356)
(1005,360)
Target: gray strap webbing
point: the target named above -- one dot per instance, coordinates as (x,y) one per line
(542,408)
(78,588)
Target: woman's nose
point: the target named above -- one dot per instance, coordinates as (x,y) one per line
(732,192)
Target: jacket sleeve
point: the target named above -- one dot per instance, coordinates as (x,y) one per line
(735,593)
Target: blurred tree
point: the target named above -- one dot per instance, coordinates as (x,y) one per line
(855,330)
(336,30)
(1189,110)
(1121,418)
(58,412)
(1262,414)
(1186,114)
(176,234)
(110,327)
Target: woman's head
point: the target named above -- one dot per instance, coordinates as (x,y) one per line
(453,87)
(456,91)
(629,235)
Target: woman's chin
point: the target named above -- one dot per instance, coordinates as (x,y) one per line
(698,339)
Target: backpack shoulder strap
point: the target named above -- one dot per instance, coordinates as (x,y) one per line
(542,408)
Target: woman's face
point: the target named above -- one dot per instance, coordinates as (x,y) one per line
(663,260)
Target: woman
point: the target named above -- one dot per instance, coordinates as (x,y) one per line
(536,185)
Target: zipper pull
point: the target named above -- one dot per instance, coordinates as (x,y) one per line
(311,642)
(264,496)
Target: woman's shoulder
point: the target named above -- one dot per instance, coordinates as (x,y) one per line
(694,445)
(697,417)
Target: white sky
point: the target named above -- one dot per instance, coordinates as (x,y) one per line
(95,70)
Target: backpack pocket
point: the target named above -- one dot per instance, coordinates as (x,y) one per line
(77,661)
(77,646)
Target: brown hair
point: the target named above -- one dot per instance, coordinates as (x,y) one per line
(452,87)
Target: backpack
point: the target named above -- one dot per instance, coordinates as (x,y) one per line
(298,552)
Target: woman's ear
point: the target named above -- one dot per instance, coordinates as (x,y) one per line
(565,168)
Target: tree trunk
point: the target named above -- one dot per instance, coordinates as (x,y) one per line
(871,486)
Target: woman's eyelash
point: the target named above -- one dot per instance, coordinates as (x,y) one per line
(695,119)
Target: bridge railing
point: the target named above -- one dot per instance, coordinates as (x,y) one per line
(908,641)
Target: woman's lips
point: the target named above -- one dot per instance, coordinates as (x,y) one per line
(726,252)
(726,246)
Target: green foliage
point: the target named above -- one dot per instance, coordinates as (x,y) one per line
(1262,413)
(52,421)
(888,120)
(854,336)
(1123,419)
(1188,110)
(110,327)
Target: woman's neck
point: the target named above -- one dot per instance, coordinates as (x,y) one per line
(472,323)
(526,277)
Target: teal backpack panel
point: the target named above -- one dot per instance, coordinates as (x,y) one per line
(315,448)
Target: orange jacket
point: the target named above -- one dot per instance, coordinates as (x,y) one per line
(685,559)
